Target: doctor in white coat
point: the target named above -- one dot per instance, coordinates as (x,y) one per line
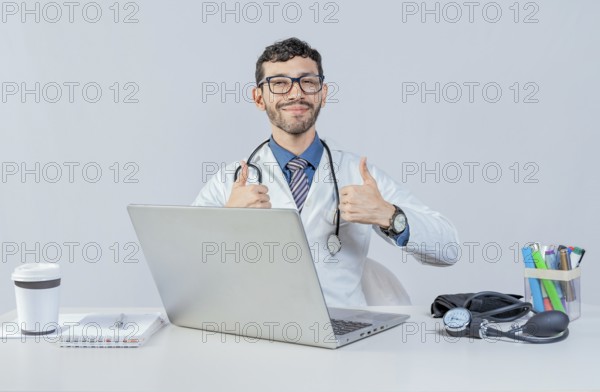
(290,89)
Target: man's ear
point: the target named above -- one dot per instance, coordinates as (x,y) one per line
(259,99)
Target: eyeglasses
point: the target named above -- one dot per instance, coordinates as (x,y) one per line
(309,84)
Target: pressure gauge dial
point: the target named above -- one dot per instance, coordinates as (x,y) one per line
(457,319)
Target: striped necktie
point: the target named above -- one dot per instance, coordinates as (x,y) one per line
(299,181)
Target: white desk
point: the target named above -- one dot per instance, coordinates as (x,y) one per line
(413,357)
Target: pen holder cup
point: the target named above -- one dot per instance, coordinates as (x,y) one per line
(554,290)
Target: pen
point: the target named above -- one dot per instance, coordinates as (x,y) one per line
(550,258)
(552,263)
(565,265)
(576,256)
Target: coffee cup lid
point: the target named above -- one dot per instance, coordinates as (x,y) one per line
(36,272)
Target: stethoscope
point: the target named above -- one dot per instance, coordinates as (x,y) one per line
(333,241)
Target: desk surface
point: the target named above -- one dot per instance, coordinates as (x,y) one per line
(413,356)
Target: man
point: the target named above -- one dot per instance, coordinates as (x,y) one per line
(297,174)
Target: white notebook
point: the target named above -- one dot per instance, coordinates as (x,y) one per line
(112,330)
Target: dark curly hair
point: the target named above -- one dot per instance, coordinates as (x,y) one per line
(285,50)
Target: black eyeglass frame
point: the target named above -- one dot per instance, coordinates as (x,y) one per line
(294,80)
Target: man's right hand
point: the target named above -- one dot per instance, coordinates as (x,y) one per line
(243,195)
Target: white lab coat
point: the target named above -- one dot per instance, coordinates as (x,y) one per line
(340,275)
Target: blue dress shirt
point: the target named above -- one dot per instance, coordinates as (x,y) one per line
(312,154)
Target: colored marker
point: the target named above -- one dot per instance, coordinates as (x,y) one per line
(547,303)
(534,284)
(548,284)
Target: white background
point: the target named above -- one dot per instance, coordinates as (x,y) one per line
(163,143)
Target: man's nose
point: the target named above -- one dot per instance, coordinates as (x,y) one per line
(295,91)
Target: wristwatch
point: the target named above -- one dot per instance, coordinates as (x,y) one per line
(397,223)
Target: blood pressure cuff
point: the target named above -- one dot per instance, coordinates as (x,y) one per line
(445,302)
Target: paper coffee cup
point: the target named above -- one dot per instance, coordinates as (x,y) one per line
(37,291)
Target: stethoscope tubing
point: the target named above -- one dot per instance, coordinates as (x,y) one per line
(331,167)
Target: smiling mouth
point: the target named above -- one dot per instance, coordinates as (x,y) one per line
(295,109)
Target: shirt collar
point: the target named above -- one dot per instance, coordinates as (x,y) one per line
(312,154)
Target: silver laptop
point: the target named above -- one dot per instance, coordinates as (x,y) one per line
(247,272)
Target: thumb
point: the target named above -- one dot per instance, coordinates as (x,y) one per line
(243,176)
(364,173)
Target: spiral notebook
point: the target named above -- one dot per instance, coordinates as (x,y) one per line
(102,330)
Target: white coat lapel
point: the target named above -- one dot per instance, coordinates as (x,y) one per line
(321,200)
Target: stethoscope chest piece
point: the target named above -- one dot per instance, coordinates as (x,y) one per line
(333,244)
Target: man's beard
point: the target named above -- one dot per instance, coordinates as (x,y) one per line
(293,127)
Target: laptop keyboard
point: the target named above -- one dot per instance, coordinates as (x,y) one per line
(342,327)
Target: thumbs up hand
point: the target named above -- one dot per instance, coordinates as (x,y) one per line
(364,203)
(244,195)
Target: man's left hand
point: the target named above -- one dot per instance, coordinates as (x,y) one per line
(364,203)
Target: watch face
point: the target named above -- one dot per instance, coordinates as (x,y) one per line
(457,318)
(399,223)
